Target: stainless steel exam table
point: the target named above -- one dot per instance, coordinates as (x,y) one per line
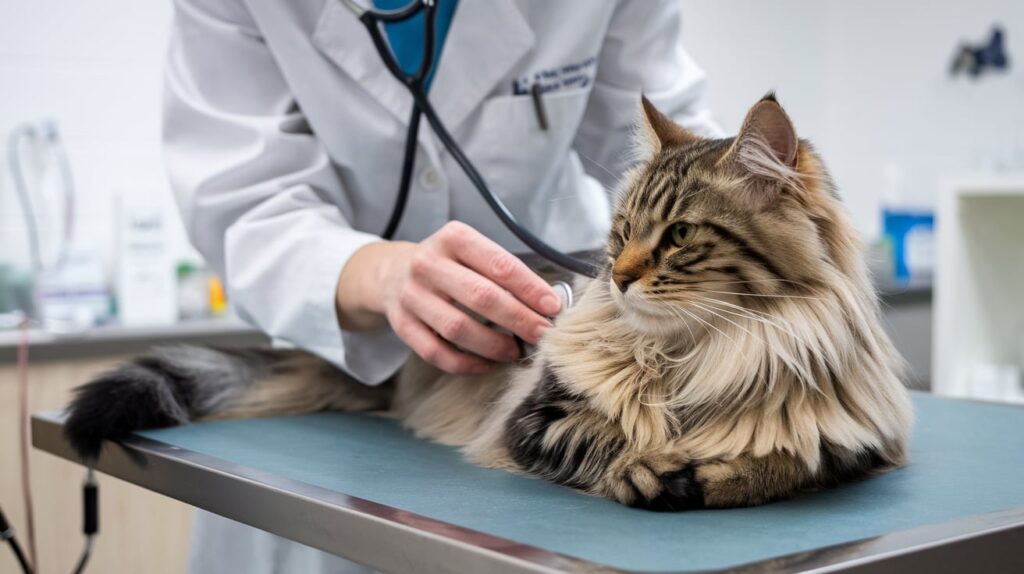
(363,488)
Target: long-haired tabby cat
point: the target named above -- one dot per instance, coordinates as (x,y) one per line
(729,355)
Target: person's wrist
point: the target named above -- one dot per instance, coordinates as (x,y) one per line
(383,261)
(362,284)
(354,310)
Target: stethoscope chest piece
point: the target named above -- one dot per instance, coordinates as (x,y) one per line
(564,291)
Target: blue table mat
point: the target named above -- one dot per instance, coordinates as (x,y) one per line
(967,458)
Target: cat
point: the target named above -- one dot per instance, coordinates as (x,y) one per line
(729,354)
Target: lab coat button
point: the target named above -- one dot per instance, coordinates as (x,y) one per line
(431,179)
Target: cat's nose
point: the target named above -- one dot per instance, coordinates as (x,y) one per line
(624,279)
(631,264)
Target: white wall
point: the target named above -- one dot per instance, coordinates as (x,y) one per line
(94,67)
(749,48)
(866,81)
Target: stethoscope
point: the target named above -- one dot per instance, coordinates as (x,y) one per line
(415,83)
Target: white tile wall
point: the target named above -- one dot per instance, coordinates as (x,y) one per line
(864,80)
(95,68)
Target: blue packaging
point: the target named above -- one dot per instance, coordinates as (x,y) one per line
(912,236)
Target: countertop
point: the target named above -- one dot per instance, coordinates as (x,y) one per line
(111,340)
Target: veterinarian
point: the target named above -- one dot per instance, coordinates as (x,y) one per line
(284,138)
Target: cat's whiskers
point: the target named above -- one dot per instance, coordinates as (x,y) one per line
(715,313)
(762,295)
(754,314)
(738,281)
(825,358)
(761,339)
(750,314)
(693,337)
(760,316)
(774,280)
(706,323)
(675,402)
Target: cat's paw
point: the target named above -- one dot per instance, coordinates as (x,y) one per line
(680,490)
(662,482)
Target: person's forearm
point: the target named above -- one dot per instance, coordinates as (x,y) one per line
(359,301)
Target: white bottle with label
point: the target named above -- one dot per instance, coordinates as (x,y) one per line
(146,285)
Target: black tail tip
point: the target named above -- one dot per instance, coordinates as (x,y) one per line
(117,404)
(85,443)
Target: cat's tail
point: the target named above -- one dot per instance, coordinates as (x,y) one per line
(176,385)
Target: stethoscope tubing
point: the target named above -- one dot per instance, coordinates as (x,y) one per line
(415,84)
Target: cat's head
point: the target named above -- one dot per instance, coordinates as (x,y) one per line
(712,228)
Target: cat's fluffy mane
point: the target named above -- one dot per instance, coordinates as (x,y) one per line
(791,375)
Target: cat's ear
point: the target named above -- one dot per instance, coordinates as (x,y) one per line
(766,149)
(658,131)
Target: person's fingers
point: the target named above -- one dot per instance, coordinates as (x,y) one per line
(491,260)
(487,299)
(456,326)
(432,349)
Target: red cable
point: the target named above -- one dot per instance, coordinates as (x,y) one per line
(23,424)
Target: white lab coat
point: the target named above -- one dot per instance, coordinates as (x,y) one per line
(284,137)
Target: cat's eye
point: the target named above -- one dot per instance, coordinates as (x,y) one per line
(678,233)
(625,230)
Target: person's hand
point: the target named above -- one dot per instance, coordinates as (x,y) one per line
(419,289)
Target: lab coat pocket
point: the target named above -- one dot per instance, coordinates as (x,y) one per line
(524,159)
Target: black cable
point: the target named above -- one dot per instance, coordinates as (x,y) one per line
(397,14)
(414,84)
(7,533)
(408,162)
(90,518)
(429,34)
(90,526)
(86,554)
(532,241)
(417,81)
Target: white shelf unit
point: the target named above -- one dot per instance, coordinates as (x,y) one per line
(978,341)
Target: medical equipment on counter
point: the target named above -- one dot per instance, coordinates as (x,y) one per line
(16,296)
(146,277)
(908,230)
(70,290)
(76,296)
(193,291)
(43,139)
(415,84)
(200,292)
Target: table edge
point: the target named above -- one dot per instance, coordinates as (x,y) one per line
(353,527)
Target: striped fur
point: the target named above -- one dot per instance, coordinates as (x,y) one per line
(177,385)
(730,354)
